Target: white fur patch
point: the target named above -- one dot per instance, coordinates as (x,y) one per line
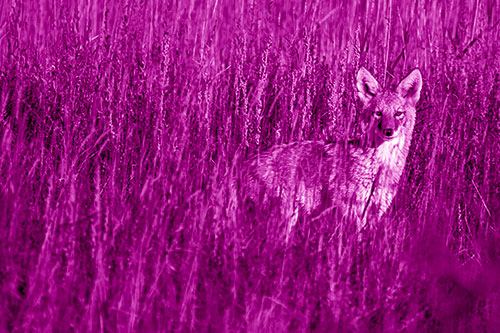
(388,152)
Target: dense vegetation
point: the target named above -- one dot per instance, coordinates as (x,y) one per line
(119,124)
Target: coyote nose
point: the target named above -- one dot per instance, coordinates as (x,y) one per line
(388,132)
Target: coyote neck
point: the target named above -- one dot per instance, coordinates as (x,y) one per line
(391,156)
(382,166)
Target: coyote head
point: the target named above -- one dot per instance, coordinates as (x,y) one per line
(388,114)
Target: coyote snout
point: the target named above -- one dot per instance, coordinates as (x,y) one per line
(354,180)
(388,127)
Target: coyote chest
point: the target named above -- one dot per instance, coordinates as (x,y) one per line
(374,179)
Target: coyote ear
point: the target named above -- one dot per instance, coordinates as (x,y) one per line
(367,85)
(409,88)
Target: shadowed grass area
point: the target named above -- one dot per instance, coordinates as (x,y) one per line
(119,127)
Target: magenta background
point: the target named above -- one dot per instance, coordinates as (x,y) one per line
(119,123)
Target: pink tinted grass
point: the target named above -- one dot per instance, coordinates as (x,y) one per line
(119,126)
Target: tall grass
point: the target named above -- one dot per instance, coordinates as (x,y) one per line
(119,125)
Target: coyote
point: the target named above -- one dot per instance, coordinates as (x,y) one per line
(357,179)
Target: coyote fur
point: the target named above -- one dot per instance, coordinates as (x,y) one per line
(357,179)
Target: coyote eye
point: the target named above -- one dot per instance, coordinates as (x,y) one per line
(378,114)
(399,114)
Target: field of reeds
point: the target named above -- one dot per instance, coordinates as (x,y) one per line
(120,121)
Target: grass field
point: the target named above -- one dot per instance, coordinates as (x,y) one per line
(119,124)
